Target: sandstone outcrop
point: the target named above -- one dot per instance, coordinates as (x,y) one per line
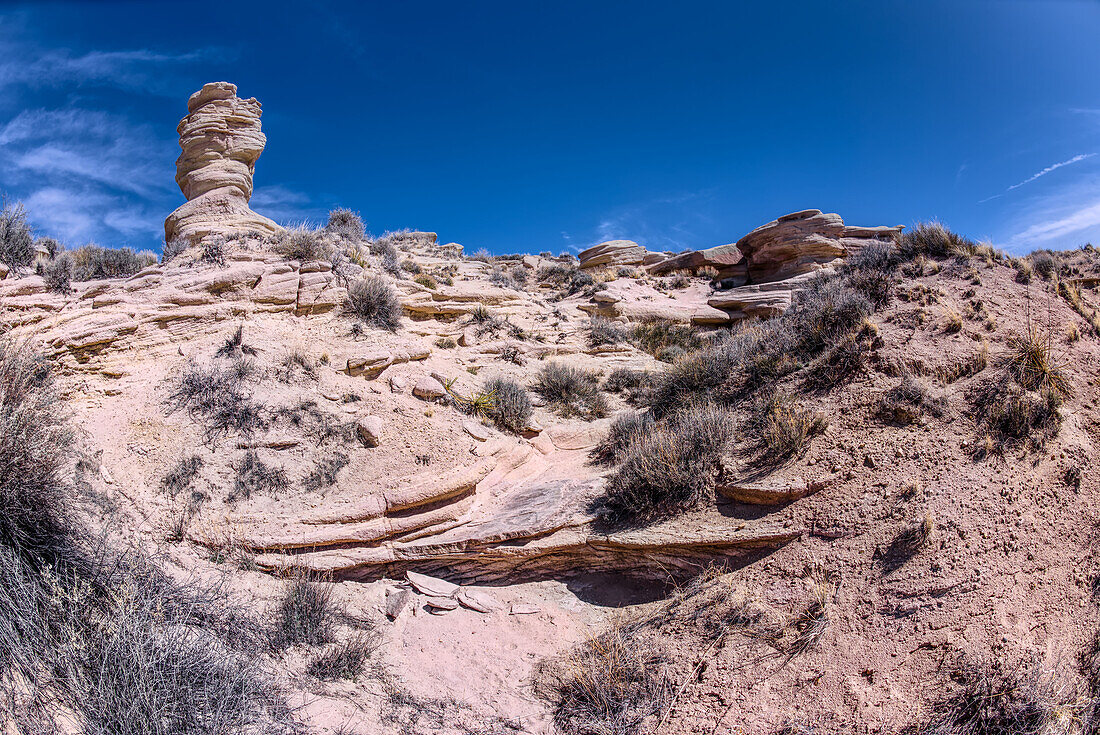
(613,253)
(802,242)
(220,140)
(727,260)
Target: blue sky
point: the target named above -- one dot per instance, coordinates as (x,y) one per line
(552,126)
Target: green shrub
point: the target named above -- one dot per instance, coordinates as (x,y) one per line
(300,243)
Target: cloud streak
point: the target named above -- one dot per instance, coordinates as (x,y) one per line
(1076,159)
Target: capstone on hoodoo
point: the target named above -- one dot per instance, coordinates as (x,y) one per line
(220,140)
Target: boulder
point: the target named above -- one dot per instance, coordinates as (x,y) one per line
(726,259)
(220,140)
(612,253)
(802,242)
(428,388)
(369,429)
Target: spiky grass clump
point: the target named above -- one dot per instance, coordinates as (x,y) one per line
(571,391)
(783,427)
(612,685)
(1032,363)
(346,661)
(305,614)
(375,302)
(666,467)
(933,240)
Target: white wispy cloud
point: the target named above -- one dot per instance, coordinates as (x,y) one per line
(1065,217)
(670,223)
(1053,167)
(284,204)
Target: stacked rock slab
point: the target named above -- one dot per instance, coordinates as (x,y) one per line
(727,260)
(615,253)
(220,138)
(802,242)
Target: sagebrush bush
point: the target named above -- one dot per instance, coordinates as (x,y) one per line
(571,391)
(93,262)
(52,247)
(16,241)
(301,243)
(58,274)
(664,339)
(172,248)
(305,614)
(347,224)
(603,331)
(375,302)
(99,637)
(624,431)
(667,467)
(567,279)
(509,405)
(1045,263)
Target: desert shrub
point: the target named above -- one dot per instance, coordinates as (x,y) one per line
(782,427)
(446,343)
(667,467)
(93,262)
(93,635)
(346,224)
(218,398)
(567,279)
(255,476)
(843,361)
(58,274)
(383,247)
(824,313)
(391,264)
(345,661)
(52,247)
(933,240)
(519,275)
(679,281)
(375,302)
(172,248)
(1031,362)
(295,365)
(16,242)
(324,472)
(305,614)
(624,431)
(234,345)
(1023,270)
(498,277)
(426,281)
(1014,414)
(300,243)
(571,391)
(182,475)
(1045,263)
(510,406)
(615,684)
(906,402)
(995,699)
(602,331)
(665,340)
(870,271)
(213,251)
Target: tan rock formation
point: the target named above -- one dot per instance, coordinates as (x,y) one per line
(801,242)
(613,253)
(726,259)
(220,138)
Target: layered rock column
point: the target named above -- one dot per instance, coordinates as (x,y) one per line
(220,140)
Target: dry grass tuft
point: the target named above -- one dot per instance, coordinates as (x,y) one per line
(571,391)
